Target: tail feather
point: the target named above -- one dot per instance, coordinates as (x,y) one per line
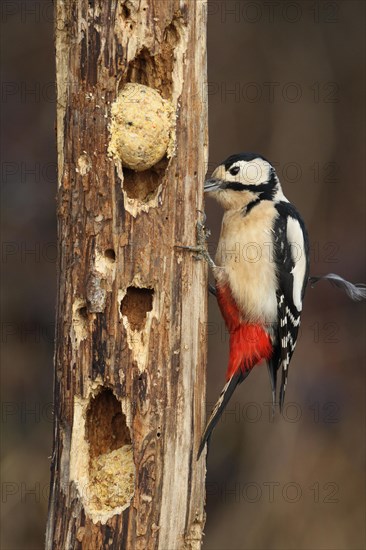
(355,291)
(249,343)
(224,398)
(282,395)
(273,365)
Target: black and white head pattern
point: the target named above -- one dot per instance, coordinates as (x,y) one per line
(245,172)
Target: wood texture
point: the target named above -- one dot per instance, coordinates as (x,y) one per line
(131,313)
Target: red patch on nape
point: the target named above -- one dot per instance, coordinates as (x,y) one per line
(249,343)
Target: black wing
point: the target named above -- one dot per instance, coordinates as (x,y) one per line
(291,254)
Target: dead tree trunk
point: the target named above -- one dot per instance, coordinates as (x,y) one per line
(131,313)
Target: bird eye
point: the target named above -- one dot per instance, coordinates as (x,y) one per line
(234,171)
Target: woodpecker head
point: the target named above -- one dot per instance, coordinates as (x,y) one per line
(242,179)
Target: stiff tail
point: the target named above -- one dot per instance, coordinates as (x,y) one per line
(355,291)
(273,364)
(224,398)
(249,343)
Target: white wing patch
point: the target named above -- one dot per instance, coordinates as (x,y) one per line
(296,239)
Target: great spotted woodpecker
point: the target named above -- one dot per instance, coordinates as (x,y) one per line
(261,271)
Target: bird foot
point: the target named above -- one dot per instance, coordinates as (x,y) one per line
(200,249)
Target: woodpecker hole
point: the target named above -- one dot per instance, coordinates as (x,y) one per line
(154,71)
(106,428)
(111,466)
(110,255)
(143,185)
(79,321)
(126,12)
(135,306)
(83,312)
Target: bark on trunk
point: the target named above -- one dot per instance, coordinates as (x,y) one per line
(131,314)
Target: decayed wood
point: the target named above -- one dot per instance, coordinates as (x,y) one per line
(131,313)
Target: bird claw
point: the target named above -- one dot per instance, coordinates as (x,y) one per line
(201,253)
(201,250)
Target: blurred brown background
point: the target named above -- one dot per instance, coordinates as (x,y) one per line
(286,79)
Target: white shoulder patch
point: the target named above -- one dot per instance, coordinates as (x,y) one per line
(295,238)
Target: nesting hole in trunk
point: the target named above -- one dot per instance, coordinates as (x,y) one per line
(156,70)
(143,185)
(110,255)
(111,466)
(136,304)
(106,427)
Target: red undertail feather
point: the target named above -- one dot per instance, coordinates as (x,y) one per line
(249,343)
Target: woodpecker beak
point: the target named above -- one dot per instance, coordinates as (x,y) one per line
(216,181)
(212,184)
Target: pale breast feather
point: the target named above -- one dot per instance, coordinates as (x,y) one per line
(246,253)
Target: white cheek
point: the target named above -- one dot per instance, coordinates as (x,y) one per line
(253,173)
